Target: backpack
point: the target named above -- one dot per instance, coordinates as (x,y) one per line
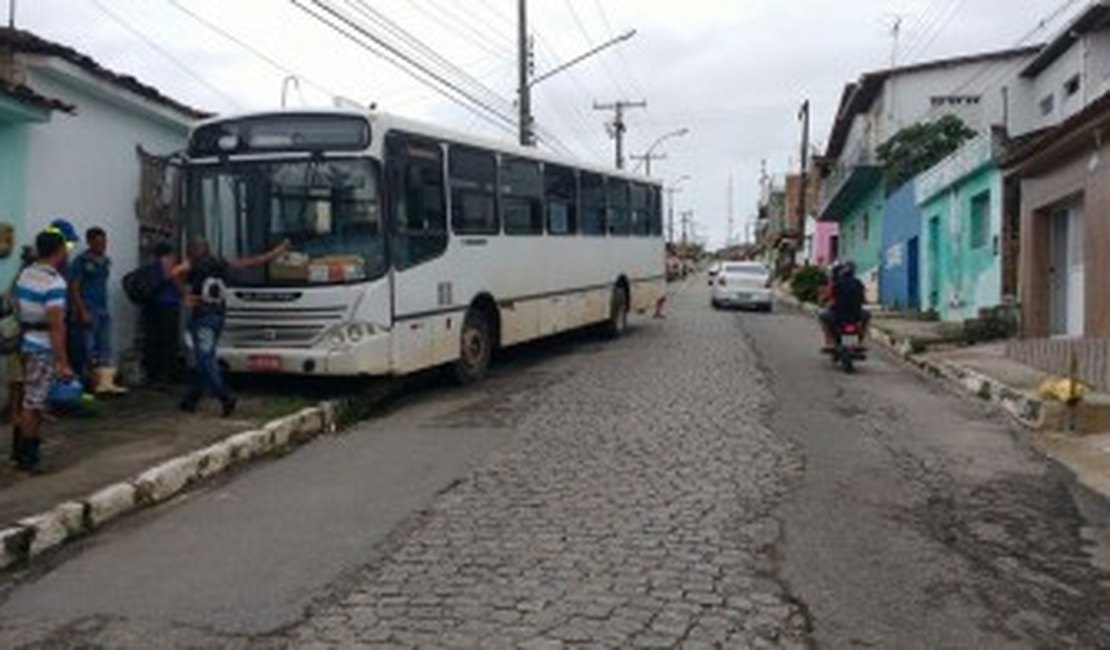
(143,283)
(11,331)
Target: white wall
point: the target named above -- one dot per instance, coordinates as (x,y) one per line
(907,99)
(1089,58)
(84,168)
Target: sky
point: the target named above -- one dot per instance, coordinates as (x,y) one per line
(733,72)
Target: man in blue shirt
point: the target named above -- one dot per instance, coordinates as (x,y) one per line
(89,274)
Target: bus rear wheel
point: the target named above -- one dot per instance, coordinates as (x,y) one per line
(475,349)
(617,324)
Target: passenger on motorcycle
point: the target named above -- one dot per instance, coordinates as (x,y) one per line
(844,300)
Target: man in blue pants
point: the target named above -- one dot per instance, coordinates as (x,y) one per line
(201,279)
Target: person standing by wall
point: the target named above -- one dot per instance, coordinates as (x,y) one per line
(14,362)
(41,294)
(89,275)
(162,321)
(201,279)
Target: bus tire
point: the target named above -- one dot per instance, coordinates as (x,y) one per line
(617,324)
(475,349)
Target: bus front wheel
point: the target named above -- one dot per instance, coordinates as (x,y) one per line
(475,349)
(617,324)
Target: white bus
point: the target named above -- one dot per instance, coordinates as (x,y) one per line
(412,246)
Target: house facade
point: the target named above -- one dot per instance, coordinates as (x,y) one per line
(1061,182)
(877,107)
(960,203)
(899,280)
(74,141)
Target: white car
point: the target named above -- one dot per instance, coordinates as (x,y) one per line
(742,284)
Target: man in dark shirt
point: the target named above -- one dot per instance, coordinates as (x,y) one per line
(201,280)
(162,318)
(846,298)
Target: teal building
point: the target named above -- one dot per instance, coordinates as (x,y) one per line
(961,211)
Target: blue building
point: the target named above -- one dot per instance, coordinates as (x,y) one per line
(899,278)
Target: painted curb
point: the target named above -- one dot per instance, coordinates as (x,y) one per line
(1029,411)
(32,536)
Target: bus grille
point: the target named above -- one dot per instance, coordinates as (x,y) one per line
(267,327)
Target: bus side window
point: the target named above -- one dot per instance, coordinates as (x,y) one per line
(561,196)
(417,203)
(593,205)
(655,212)
(473,176)
(641,210)
(617,191)
(521,196)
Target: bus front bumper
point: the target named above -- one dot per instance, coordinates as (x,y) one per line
(370,356)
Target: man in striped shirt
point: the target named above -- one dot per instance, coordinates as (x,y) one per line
(41,293)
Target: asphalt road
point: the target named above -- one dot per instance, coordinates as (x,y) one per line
(922,519)
(708,481)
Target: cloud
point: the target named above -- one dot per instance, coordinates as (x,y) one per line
(733,71)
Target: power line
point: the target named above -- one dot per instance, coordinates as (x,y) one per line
(135,31)
(590,42)
(610,33)
(940,26)
(923,26)
(399,59)
(421,49)
(249,48)
(464,29)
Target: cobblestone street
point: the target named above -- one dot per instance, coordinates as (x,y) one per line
(707,481)
(632,508)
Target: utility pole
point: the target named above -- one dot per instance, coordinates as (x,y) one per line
(618,122)
(646,158)
(731,216)
(524,74)
(803,115)
(687,218)
(11,14)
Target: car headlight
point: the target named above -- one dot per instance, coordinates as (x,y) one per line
(337,337)
(354,333)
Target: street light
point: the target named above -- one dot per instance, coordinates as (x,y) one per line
(671,189)
(646,158)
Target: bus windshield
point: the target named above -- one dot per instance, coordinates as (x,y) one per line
(329,210)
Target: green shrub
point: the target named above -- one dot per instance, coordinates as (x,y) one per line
(807,282)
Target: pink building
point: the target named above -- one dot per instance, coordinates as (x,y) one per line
(823,242)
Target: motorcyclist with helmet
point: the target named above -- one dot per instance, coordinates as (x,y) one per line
(844,299)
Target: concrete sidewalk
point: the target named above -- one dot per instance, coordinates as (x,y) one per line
(140,450)
(126,436)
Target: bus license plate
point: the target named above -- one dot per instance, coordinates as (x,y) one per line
(264,363)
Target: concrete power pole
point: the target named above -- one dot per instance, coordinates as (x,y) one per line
(524,65)
(647,158)
(803,115)
(687,218)
(11,14)
(618,123)
(731,214)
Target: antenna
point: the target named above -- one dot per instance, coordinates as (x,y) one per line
(895,36)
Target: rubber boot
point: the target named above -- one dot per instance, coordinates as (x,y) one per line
(30,455)
(104,382)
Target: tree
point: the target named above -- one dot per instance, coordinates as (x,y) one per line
(919,147)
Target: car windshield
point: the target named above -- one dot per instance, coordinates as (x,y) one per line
(329,212)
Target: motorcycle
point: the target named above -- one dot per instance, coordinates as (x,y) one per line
(849,347)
